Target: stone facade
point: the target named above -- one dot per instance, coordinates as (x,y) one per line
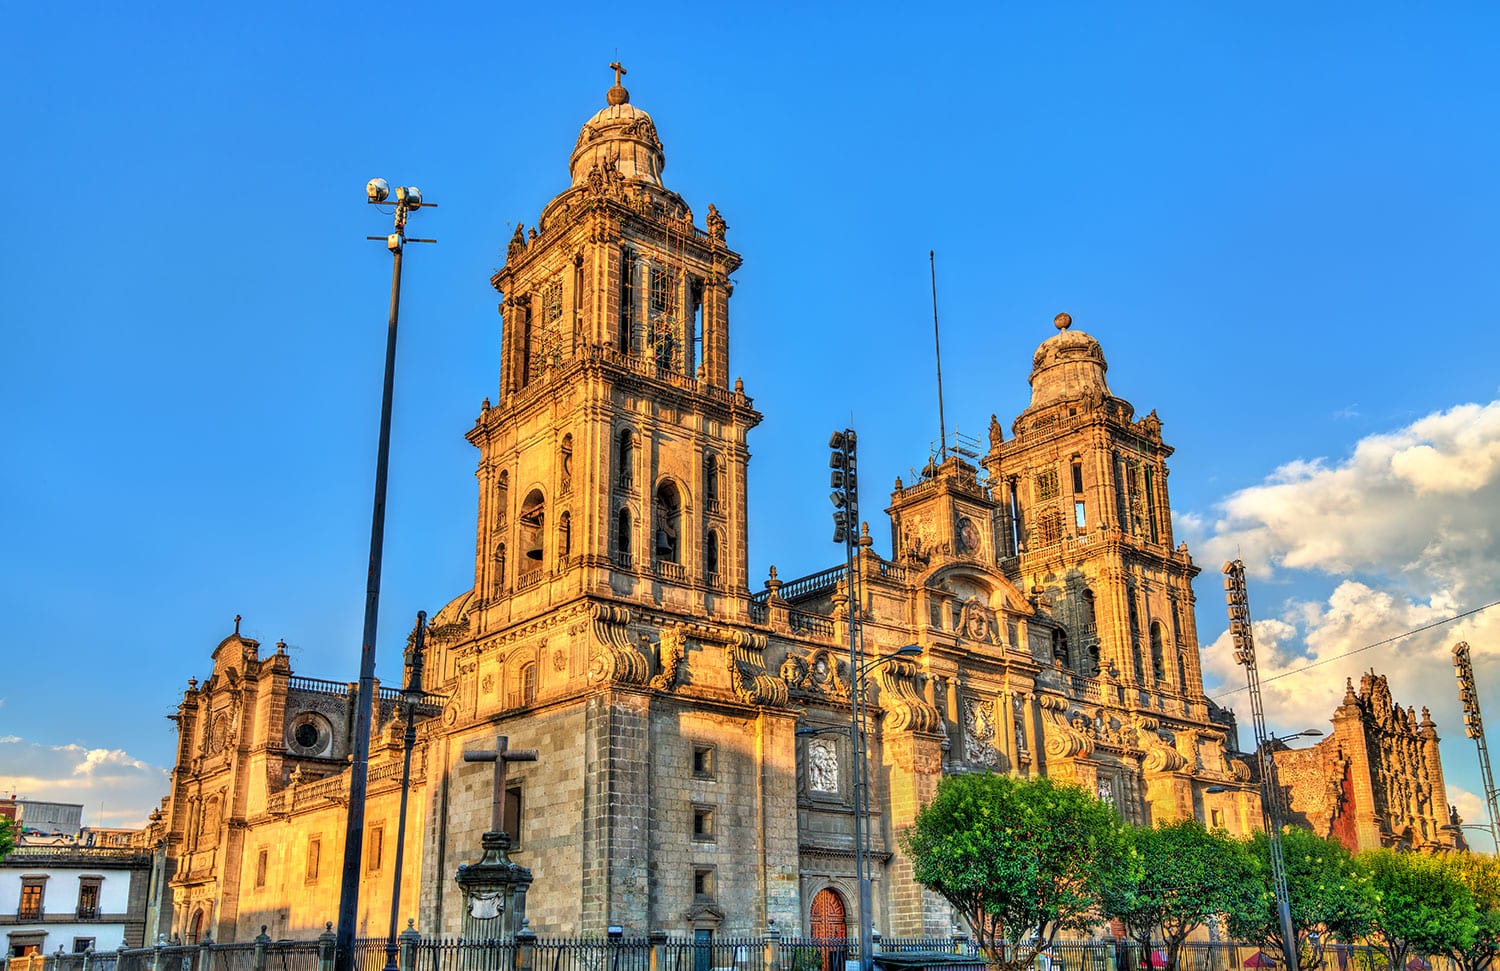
(1376,780)
(612,626)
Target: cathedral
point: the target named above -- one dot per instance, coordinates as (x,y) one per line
(683,784)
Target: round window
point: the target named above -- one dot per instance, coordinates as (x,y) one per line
(309,734)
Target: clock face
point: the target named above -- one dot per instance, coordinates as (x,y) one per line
(968,536)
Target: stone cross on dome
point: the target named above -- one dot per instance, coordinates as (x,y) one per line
(618,95)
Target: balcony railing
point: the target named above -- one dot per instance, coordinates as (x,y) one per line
(88,913)
(670,571)
(30,911)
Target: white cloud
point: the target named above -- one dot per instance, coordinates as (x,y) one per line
(1397,535)
(128,787)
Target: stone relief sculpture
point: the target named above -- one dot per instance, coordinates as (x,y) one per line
(822,767)
(979,732)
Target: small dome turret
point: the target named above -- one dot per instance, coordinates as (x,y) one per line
(622,135)
(1067,366)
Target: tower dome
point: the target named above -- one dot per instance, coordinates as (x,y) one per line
(1067,366)
(622,134)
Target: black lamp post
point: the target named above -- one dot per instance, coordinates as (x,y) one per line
(408,199)
(411,696)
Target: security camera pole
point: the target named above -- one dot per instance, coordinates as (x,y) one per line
(1238,599)
(407,200)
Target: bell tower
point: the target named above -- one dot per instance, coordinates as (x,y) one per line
(613,462)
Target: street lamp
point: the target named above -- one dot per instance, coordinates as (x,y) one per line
(408,199)
(857,743)
(411,697)
(1238,599)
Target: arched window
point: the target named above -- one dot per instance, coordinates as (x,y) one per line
(499,584)
(668,523)
(1158,635)
(711,482)
(526,684)
(1060,646)
(565,535)
(502,499)
(626,459)
(532,520)
(711,557)
(565,463)
(622,536)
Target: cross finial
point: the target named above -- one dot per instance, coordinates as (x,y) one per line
(619,70)
(500,754)
(236,625)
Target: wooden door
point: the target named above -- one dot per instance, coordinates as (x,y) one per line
(828,924)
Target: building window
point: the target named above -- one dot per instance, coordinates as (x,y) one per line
(314,858)
(668,523)
(711,558)
(703,824)
(511,817)
(627,298)
(1216,818)
(703,761)
(33,889)
(88,897)
(703,883)
(661,290)
(1046,485)
(1077,477)
(374,849)
(711,482)
(526,684)
(82,944)
(565,460)
(1158,667)
(1048,530)
(261,859)
(622,537)
(533,521)
(626,471)
(1080,518)
(564,535)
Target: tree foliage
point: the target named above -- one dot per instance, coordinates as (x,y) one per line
(1020,859)
(1417,905)
(1480,875)
(1329,895)
(1187,875)
(7,837)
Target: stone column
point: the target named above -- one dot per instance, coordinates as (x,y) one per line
(494,891)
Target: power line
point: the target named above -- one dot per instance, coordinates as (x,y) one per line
(1358,650)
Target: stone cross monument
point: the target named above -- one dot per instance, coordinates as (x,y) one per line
(494,888)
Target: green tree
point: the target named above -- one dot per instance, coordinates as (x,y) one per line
(7,837)
(1187,875)
(1418,906)
(1480,874)
(1020,859)
(1329,895)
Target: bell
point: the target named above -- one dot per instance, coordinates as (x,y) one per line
(534,552)
(663,543)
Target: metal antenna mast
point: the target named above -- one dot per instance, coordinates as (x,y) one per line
(1238,599)
(938,349)
(1474,728)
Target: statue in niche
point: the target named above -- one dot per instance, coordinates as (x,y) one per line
(997,434)
(822,767)
(716,224)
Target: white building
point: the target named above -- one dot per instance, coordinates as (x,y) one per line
(73,898)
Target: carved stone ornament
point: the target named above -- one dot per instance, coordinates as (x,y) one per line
(906,709)
(979,732)
(822,766)
(1065,740)
(670,652)
(612,657)
(745,656)
(817,673)
(1161,754)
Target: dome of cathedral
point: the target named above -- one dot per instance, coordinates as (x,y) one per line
(622,134)
(1067,366)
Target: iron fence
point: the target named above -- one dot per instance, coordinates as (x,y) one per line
(707,953)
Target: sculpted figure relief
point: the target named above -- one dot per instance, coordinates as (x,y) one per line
(822,767)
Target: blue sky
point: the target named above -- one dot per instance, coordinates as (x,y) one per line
(1280,223)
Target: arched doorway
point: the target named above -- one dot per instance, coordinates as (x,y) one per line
(195,929)
(829,924)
